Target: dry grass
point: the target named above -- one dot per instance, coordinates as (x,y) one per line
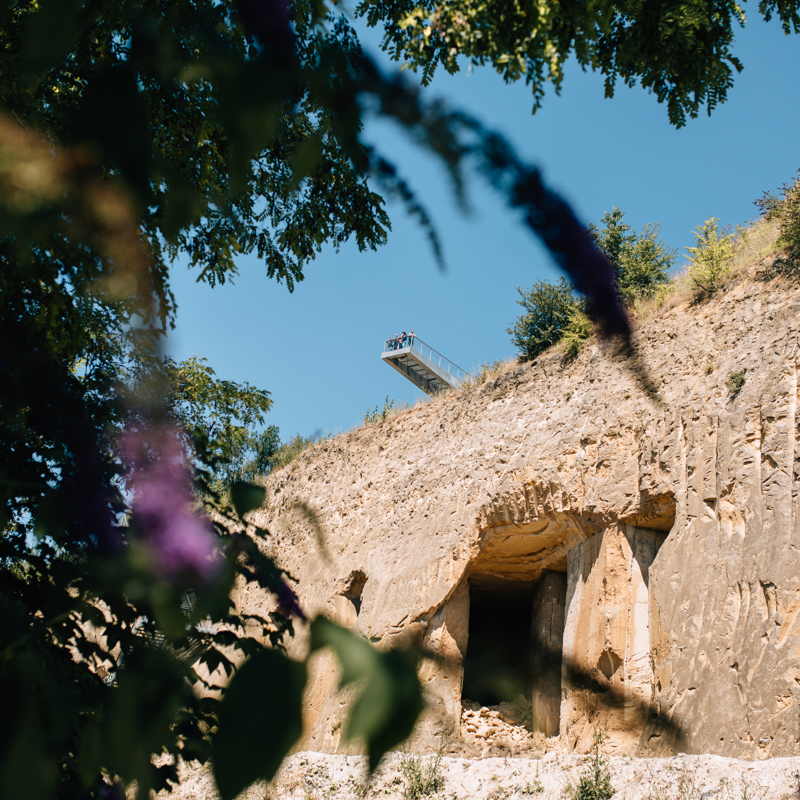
(753,245)
(489,371)
(389,412)
(404,408)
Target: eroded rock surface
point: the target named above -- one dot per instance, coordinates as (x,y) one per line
(675,524)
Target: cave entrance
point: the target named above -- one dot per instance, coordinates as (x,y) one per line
(517,593)
(496,666)
(514,648)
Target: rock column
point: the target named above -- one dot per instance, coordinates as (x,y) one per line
(442,679)
(607,666)
(547,633)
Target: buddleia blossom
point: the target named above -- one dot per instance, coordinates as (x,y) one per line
(287,600)
(178,542)
(269,23)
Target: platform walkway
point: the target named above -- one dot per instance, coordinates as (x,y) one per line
(426,368)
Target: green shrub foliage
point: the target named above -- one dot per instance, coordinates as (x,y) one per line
(790,219)
(287,452)
(576,333)
(549,308)
(709,261)
(641,261)
(736,383)
(379,414)
(786,210)
(423,776)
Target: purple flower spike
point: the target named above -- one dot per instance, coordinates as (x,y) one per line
(269,23)
(287,600)
(179,542)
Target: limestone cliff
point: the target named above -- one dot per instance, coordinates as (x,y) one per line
(653,546)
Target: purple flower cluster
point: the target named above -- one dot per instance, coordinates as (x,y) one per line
(288,602)
(269,23)
(179,543)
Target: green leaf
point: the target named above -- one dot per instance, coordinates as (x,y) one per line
(356,656)
(387,708)
(26,770)
(51,36)
(246,497)
(169,617)
(259,721)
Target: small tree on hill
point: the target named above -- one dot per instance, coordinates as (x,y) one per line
(709,261)
(641,261)
(549,308)
(576,333)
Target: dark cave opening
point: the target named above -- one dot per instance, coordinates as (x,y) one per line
(497,660)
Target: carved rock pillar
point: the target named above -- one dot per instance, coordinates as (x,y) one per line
(608,674)
(547,633)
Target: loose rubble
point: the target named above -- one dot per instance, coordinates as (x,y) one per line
(507,725)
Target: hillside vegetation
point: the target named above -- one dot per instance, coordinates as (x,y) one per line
(765,250)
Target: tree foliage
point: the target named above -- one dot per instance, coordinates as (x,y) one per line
(227,143)
(227,416)
(709,260)
(680,51)
(549,308)
(129,133)
(641,262)
(554,313)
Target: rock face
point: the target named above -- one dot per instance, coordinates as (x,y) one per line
(625,565)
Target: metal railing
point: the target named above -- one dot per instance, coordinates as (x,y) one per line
(434,356)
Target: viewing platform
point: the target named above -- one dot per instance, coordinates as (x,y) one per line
(422,365)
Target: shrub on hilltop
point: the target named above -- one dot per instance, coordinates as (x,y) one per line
(553,311)
(709,260)
(641,261)
(786,211)
(549,309)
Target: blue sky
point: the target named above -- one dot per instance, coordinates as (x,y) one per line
(317,350)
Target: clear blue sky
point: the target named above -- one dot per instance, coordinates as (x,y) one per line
(317,350)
